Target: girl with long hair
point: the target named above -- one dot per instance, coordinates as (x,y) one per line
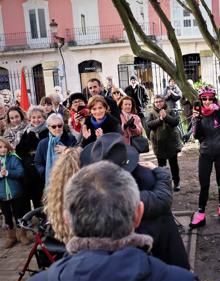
(65,166)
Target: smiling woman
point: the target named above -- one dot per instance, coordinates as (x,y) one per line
(26,149)
(16,124)
(99,122)
(49,148)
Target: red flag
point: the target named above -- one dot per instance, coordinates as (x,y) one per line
(24,104)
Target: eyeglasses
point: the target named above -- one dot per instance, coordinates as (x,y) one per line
(209,99)
(56,126)
(76,101)
(159,101)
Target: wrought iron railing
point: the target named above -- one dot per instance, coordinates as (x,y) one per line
(73,36)
(103,34)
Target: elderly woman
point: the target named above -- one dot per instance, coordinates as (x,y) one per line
(117,94)
(49,148)
(16,124)
(59,108)
(26,149)
(130,122)
(99,122)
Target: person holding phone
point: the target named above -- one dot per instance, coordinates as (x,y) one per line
(78,113)
(206,128)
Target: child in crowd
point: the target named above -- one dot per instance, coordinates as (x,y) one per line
(11,171)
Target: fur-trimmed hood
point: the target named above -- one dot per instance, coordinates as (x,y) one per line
(77,244)
(126,263)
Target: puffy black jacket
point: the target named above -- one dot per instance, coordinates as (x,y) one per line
(207,130)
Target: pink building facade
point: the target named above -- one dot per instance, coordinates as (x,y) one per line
(95,43)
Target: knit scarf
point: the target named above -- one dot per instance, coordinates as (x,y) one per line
(76,127)
(14,134)
(51,155)
(207,111)
(97,124)
(37,130)
(3,165)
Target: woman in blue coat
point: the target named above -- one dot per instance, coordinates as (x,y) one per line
(49,148)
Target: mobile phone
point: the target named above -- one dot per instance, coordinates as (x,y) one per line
(81,107)
(197,106)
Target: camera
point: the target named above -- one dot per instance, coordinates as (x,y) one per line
(197,106)
(80,107)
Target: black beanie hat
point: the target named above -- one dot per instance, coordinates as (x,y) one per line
(77,96)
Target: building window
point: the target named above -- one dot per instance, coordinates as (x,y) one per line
(36,17)
(186,13)
(83,24)
(195,23)
(187,23)
(37,23)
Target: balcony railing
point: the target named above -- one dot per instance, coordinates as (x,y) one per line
(90,35)
(103,34)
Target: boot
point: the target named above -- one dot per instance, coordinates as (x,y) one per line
(10,238)
(21,235)
(198,220)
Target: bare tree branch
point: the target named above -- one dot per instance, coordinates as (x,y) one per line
(137,50)
(211,17)
(210,40)
(172,38)
(183,4)
(139,31)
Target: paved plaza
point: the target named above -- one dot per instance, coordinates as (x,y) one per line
(12,260)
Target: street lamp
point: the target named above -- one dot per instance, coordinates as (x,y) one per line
(60,44)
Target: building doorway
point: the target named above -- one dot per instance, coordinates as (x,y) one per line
(89,69)
(4,79)
(192,66)
(38,82)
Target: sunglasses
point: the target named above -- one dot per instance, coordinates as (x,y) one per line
(56,126)
(209,99)
(116,93)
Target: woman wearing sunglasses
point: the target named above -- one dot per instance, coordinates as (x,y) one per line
(116,94)
(206,128)
(49,148)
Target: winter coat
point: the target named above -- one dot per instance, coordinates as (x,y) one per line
(207,130)
(15,174)
(158,222)
(40,158)
(164,134)
(176,95)
(26,149)
(110,125)
(138,93)
(111,261)
(129,132)
(114,110)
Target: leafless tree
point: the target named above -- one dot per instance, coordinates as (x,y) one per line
(155,53)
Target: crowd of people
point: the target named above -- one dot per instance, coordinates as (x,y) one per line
(60,154)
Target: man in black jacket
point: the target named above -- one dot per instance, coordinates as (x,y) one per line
(95,88)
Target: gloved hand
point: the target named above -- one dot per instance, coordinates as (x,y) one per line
(130,124)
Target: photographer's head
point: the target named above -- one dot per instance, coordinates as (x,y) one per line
(102,200)
(207,96)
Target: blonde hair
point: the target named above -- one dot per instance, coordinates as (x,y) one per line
(65,166)
(7,144)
